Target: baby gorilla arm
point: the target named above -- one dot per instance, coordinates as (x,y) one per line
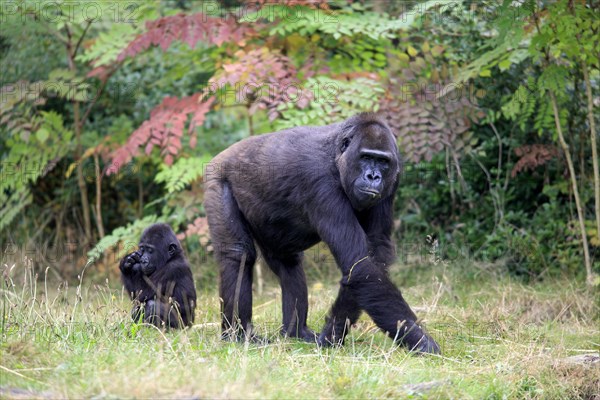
(132,275)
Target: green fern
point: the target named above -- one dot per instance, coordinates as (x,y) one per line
(30,157)
(307,21)
(544,117)
(333,101)
(553,78)
(520,106)
(125,234)
(108,45)
(182,173)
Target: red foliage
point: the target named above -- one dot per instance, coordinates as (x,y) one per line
(265,79)
(425,124)
(198,227)
(102,72)
(533,156)
(189,29)
(164,129)
(322,4)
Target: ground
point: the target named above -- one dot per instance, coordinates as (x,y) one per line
(500,338)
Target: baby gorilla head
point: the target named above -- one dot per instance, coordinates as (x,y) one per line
(157,246)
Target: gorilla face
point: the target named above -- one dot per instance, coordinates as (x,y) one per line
(157,246)
(368,163)
(148,258)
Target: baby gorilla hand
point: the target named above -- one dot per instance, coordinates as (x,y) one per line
(132,261)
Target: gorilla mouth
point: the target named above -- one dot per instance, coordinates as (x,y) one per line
(147,269)
(371,192)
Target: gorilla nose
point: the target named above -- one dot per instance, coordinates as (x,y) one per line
(373,176)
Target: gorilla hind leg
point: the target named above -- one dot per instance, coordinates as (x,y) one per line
(162,315)
(294,294)
(236,254)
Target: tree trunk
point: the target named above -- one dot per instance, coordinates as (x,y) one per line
(77,126)
(592,122)
(98,174)
(85,203)
(580,215)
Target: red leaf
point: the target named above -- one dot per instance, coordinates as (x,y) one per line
(164,129)
(100,72)
(189,29)
(253,70)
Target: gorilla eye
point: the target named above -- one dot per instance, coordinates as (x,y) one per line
(345,144)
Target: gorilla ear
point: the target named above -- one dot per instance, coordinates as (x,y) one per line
(172,249)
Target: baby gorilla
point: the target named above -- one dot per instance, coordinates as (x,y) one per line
(159,280)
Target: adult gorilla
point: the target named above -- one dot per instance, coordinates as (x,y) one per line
(159,280)
(288,190)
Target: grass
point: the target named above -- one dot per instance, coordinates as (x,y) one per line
(500,339)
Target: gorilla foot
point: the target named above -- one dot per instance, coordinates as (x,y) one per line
(328,340)
(426,346)
(305,334)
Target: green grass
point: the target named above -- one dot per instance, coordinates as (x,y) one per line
(500,339)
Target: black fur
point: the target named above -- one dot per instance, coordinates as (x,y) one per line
(288,190)
(159,280)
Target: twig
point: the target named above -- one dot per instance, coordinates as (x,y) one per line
(354,265)
(20,375)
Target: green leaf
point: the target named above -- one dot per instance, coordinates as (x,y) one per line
(182,173)
(107,46)
(129,233)
(42,135)
(486,73)
(504,64)
(367,55)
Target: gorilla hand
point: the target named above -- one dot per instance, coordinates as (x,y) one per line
(132,262)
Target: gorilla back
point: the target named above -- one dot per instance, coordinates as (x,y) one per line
(288,190)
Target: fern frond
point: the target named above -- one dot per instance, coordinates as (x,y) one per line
(183,172)
(124,234)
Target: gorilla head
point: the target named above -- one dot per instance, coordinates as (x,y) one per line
(157,246)
(368,162)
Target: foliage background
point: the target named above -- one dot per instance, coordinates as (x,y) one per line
(110,111)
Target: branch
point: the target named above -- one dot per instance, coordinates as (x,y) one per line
(499,149)
(578,204)
(81,38)
(100,91)
(54,32)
